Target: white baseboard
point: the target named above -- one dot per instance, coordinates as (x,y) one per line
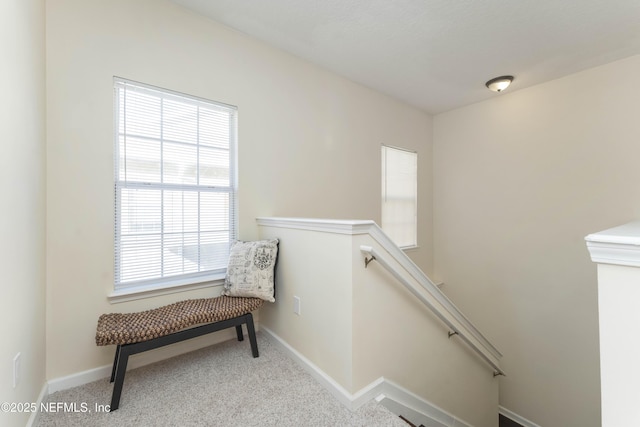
(35,415)
(396,398)
(140,359)
(517,418)
(393,396)
(417,409)
(318,374)
(79,378)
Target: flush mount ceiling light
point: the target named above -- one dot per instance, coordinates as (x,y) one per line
(499,84)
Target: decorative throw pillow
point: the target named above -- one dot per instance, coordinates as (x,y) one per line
(251,269)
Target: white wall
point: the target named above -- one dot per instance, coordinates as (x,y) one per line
(309,144)
(398,337)
(22,191)
(359,324)
(315,267)
(518,182)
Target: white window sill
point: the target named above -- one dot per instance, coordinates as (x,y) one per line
(149,291)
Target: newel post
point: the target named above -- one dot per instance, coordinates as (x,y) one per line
(617,253)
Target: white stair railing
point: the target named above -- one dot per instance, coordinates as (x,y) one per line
(442,307)
(391,257)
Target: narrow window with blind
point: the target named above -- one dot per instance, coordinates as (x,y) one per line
(400,196)
(175,187)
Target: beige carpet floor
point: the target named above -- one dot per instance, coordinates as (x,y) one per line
(221,385)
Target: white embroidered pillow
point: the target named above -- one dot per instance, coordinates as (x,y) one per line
(250,272)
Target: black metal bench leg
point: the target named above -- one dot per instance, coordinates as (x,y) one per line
(115,364)
(252,335)
(121,370)
(124,351)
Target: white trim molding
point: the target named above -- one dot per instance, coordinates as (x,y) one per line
(78,379)
(336,226)
(325,380)
(35,415)
(386,392)
(141,359)
(416,409)
(618,245)
(517,418)
(141,292)
(441,305)
(617,253)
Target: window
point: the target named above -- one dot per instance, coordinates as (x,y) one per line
(175,186)
(400,195)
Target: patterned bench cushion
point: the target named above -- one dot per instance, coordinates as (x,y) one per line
(128,328)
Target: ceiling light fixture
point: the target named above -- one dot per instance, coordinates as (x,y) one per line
(499,84)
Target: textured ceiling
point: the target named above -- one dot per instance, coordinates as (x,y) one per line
(437,54)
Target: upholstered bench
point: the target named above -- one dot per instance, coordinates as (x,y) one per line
(137,332)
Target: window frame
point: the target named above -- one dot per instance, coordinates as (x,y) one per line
(385,176)
(167,283)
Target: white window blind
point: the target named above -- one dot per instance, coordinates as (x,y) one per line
(400,195)
(175,186)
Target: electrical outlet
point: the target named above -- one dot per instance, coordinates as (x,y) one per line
(16,370)
(296,305)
